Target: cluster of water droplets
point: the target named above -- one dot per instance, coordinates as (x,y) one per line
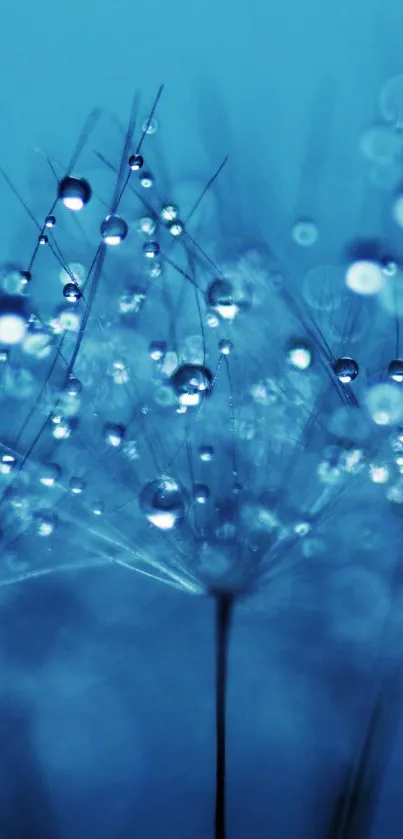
(183,405)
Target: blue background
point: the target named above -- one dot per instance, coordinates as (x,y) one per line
(106,721)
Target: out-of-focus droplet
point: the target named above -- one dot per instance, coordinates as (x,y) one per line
(146,225)
(7,463)
(74,272)
(146,180)
(397,209)
(391,296)
(13,319)
(119,372)
(175,228)
(391,101)
(299,355)
(386,176)
(154,269)
(302,528)
(45,523)
(381,144)
(305,233)
(379,473)
(385,404)
(169,212)
(61,427)
(13,280)
(150,126)
(131,301)
(365,277)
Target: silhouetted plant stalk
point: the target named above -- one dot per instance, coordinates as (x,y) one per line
(224,613)
(357,800)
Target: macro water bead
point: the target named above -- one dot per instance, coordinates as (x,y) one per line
(74,193)
(225,346)
(71,292)
(7,463)
(151,250)
(50,474)
(157,350)
(206,453)
(226,298)
(346,369)
(191,382)
(164,503)
(98,508)
(113,230)
(201,493)
(73,387)
(135,162)
(395,370)
(76,485)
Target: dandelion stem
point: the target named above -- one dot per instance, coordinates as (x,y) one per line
(224,609)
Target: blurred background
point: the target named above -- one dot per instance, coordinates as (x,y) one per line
(106,695)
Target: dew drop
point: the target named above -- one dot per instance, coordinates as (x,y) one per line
(113,230)
(74,193)
(346,369)
(163,502)
(191,383)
